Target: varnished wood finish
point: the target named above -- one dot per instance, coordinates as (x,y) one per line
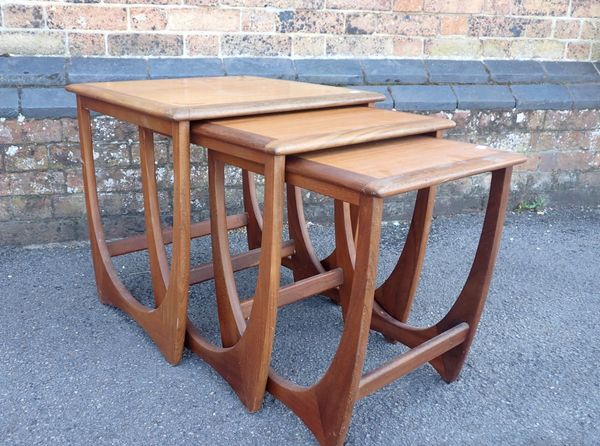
(137,243)
(300,132)
(396,166)
(192,99)
(302,289)
(397,293)
(255,223)
(244,359)
(326,406)
(166,323)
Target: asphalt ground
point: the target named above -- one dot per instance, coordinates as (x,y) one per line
(73,371)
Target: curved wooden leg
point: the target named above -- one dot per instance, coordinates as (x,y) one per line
(326,407)
(304,263)
(244,360)
(255,221)
(469,304)
(159,264)
(166,323)
(397,293)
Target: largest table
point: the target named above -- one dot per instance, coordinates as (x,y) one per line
(170,107)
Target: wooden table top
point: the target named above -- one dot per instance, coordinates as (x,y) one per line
(304,131)
(217,97)
(395,166)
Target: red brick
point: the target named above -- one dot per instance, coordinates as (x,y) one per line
(25,158)
(24,208)
(30,131)
(579,51)
(23,16)
(85,44)
(373,5)
(63,155)
(148,19)
(86,17)
(202,45)
(454,25)
(567,29)
(360,46)
(541,7)
(256,45)
(585,8)
(32,183)
(454,6)
(145,45)
(408,47)
(72,205)
(408,5)
(203,19)
(308,46)
(258,21)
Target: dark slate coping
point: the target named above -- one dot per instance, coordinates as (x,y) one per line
(47,103)
(394,71)
(329,71)
(387,103)
(423,97)
(515,71)
(277,68)
(9,102)
(100,69)
(29,71)
(484,97)
(585,95)
(571,72)
(172,67)
(542,97)
(456,72)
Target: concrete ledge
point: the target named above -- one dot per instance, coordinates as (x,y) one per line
(544,97)
(456,72)
(585,96)
(172,67)
(484,97)
(99,69)
(329,71)
(9,102)
(32,71)
(465,84)
(387,103)
(423,98)
(393,71)
(515,71)
(260,66)
(48,103)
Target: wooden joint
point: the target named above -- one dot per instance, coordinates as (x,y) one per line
(302,289)
(412,359)
(139,243)
(239,262)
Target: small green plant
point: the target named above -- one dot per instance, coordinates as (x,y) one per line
(537,205)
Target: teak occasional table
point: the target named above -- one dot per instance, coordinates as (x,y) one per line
(324,139)
(168,107)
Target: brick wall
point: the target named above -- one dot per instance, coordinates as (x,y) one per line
(463,29)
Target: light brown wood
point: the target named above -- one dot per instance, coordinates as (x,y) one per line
(407,362)
(395,166)
(166,323)
(201,273)
(300,132)
(191,99)
(397,293)
(302,289)
(137,243)
(244,359)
